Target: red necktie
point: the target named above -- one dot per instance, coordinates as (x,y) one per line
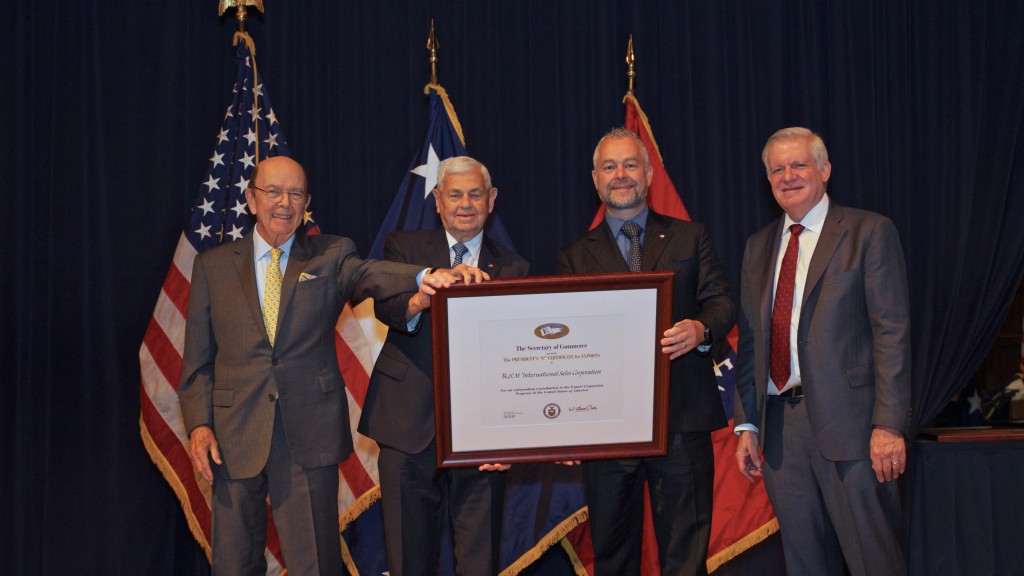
(782,310)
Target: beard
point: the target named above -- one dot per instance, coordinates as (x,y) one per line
(637,198)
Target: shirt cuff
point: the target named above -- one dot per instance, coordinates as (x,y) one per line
(414,323)
(744,428)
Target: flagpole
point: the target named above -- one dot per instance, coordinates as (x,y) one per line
(630,60)
(432,45)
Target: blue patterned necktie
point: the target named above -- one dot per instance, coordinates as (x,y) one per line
(460,251)
(635,254)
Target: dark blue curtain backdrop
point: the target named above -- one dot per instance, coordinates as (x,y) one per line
(110,110)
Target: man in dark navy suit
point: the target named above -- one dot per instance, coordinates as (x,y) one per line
(399,408)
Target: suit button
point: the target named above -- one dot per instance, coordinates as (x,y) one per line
(272,397)
(275,362)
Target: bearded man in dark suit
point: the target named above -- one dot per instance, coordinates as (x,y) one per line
(682,482)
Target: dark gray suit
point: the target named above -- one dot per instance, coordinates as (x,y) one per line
(682,482)
(399,414)
(279,413)
(854,351)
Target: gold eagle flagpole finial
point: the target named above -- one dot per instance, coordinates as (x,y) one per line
(630,60)
(240,12)
(432,45)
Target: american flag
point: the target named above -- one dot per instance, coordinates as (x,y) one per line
(250,131)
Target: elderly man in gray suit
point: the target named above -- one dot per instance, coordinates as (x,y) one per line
(823,375)
(261,394)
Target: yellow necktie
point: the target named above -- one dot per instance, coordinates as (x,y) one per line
(272,293)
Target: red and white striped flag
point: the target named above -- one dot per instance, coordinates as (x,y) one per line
(250,131)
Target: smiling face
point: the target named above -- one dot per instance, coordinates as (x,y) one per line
(621,176)
(277,220)
(798,182)
(464,201)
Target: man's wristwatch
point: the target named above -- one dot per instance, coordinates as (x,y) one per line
(706,344)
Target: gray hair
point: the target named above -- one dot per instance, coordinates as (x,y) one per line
(615,134)
(462,165)
(818,150)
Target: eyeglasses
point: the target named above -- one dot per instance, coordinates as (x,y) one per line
(275,195)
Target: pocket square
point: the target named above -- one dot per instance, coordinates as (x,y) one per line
(307,276)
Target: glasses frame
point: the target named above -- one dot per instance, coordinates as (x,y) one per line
(275,195)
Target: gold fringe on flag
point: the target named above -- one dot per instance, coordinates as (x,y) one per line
(447,106)
(556,535)
(647,123)
(179,490)
(369,498)
(577,565)
(743,544)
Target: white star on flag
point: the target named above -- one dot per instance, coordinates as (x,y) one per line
(975,403)
(428,171)
(204,231)
(240,208)
(212,183)
(207,207)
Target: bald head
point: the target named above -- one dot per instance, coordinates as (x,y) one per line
(277,197)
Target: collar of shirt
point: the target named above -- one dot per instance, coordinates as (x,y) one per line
(813,220)
(475,244)
(261,259)
(616,227)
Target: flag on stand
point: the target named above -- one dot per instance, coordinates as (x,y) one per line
(250,131)
(742,515)
(414,207)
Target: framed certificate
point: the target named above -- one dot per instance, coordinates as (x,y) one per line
(552,368)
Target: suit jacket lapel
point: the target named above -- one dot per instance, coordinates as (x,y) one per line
(767,280)
(832,232)
(605,251)
(244,265)
(437,252)
(297,260)
(656,238)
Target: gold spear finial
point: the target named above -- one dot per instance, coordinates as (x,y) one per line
(240,12)
(432,45)
(630,60)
